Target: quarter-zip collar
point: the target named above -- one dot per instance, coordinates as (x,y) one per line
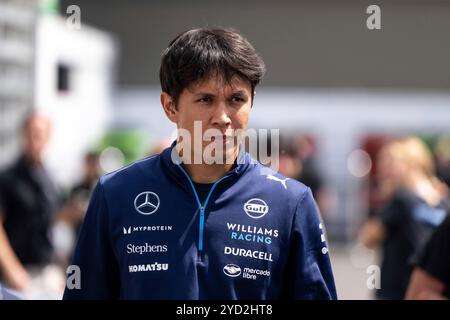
(175,170)
(170,163)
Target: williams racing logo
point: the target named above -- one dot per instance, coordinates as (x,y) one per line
(256,208)
(251,233)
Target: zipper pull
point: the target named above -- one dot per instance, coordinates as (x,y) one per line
(202,223)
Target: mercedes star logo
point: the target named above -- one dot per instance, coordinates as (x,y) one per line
(146,202)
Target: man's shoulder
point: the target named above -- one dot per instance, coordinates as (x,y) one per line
(11,174)
(140,169)
(277,184)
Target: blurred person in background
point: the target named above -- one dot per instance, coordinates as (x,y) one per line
(290,164)
(28,203)
(416,207)
(297,161)
(309,174)
(378,198)
(430,279)
(81,192)
(441,153)
(70,218)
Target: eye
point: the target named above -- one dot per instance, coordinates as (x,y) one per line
(237,99)
(204,100)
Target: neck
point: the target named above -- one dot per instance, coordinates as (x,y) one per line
(33,160)
(208,173)
(204,173)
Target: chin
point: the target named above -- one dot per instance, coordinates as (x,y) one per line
(225,152)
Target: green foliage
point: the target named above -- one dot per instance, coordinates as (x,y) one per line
(133,143)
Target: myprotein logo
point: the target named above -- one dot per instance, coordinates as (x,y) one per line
(150,267)
(146,248)
(256,208)
(132,229)
(232,270)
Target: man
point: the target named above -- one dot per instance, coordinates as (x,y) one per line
(430,279)
(70,218)
(170,227)
(28,200)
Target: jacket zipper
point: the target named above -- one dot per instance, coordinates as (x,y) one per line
(200,206)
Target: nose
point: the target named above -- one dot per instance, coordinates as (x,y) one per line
(220,116)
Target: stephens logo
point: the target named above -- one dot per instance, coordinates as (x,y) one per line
(256,208)
(146,248)
(232,270)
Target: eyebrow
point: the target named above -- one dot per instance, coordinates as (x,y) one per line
(208,94)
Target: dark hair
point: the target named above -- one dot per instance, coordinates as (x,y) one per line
(201,53)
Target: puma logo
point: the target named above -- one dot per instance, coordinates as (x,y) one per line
(282,181)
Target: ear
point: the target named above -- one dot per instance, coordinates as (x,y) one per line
(169,107)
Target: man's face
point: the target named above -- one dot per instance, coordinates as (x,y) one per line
(36,136)
(215,104)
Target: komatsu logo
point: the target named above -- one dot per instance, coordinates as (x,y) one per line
(148,267)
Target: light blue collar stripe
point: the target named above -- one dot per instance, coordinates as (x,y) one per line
(202,218)
(202,208)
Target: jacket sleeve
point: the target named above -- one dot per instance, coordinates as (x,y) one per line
(309,274)
(94,256)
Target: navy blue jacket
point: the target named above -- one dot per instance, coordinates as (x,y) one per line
(146,235)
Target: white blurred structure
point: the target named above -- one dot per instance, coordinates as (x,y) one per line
(17,29)
(73,86)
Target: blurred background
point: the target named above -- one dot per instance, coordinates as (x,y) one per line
(339,93)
